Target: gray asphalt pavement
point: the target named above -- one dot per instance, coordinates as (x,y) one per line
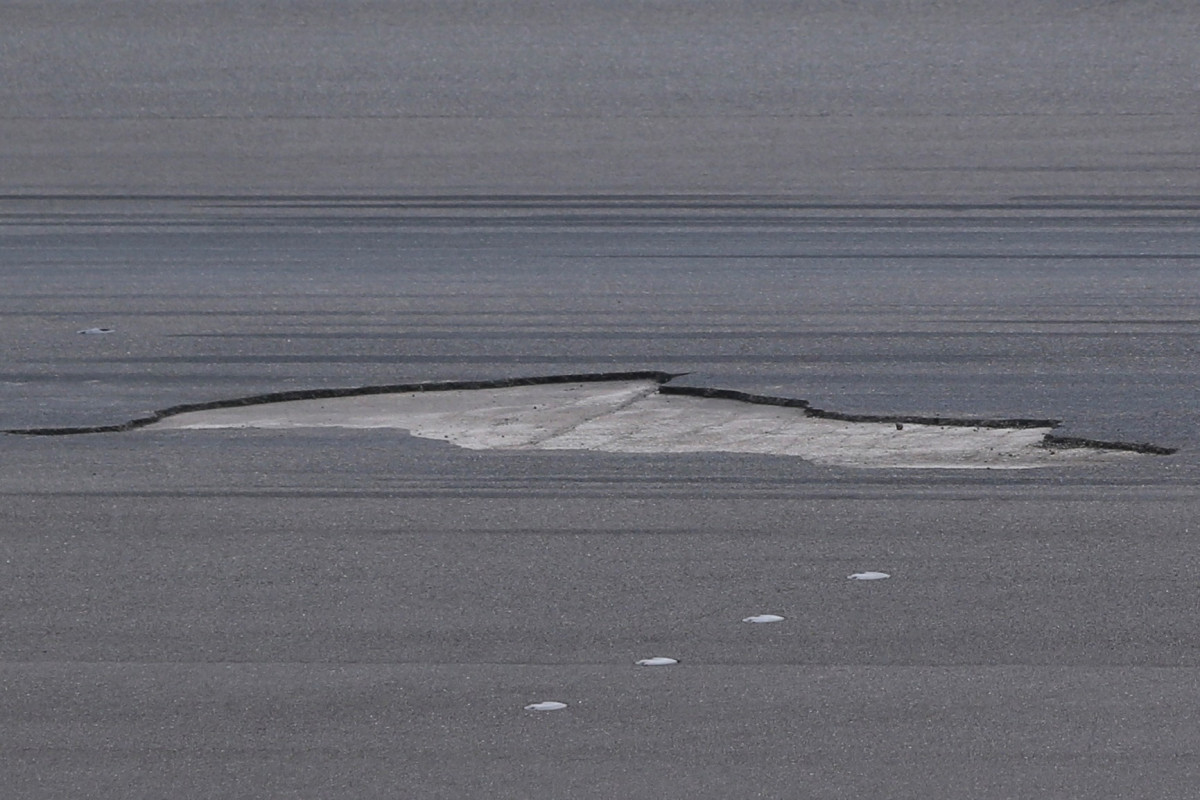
(361,614)
(915,99)
(984,211)
(1071,314)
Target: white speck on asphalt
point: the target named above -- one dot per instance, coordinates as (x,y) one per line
(764,618)
(657,661)
(548,705)
(868,576)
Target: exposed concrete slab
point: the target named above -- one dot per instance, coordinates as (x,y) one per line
(633,417)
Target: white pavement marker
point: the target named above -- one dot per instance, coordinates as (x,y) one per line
(763,618)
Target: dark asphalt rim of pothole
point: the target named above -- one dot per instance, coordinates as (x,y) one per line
(353,391)
(659,377)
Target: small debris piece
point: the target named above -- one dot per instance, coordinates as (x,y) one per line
(548,705)
(657,661)
(92,331)
(868,576)
(760,618)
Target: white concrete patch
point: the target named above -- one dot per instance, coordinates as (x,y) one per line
(632,417)
(868,576)
(548,705)
(763,618)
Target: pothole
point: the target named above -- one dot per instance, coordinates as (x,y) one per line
(641,415)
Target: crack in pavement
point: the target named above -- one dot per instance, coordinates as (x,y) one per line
(574,426)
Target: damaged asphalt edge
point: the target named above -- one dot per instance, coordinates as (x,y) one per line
(354,391)
(1064,442)
(1050,440)
(958,422)
(662,378)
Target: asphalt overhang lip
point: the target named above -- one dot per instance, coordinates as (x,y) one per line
(642,412)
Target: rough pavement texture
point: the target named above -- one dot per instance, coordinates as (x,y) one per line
(983,210)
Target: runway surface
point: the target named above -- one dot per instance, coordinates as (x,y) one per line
(990,213)
(329,613)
